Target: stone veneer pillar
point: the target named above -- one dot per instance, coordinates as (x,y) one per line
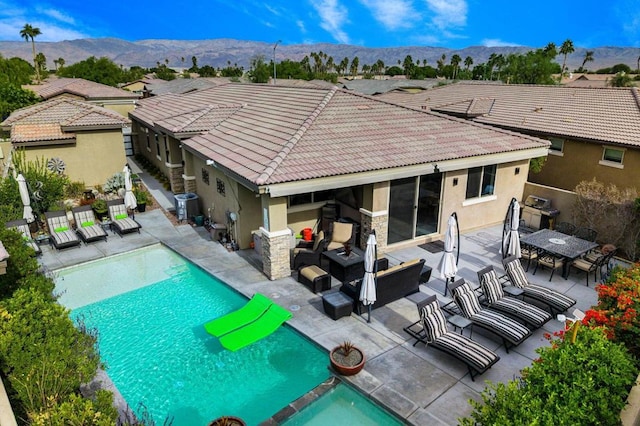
(189,184)
(378,221)
(175,177)
(276,248)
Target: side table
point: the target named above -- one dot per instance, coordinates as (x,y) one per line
(460,322)
(42,239)
(106,225)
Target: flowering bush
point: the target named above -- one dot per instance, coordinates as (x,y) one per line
(617,308)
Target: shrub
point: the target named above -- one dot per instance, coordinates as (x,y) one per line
(74,190)
(618,307)
(586,382)
(76,410)
(22,266)
(46,187)
(114,183)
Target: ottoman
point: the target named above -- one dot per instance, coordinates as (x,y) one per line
(315,278)
(337,305)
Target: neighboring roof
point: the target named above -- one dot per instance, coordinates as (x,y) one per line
(179,85)
(610,115)
(86,89)
(285,134)
(373,86)
(57,120)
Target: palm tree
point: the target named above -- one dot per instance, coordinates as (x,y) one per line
(380,65)
(565,49)
(29,32)
(61,62)
(455,61)
(588,57)
(407,64)
(468,61)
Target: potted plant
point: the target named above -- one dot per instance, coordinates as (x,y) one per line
(347,359)
(142,199)
(227,421)
(100,208)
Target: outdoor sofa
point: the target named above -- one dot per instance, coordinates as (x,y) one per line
(62,236)
(121,223)
(391,284)
(431,329)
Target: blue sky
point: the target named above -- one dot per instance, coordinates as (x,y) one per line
(371,23)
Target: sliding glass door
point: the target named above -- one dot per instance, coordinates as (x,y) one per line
(414,207)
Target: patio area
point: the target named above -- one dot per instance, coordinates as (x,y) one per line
(419,384)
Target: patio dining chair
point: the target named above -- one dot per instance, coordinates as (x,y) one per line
(565,227)
(509,330)
(528,253)
(431,329)
(586,233)
(549,260)
(495,298)
(590,264)
(556,301)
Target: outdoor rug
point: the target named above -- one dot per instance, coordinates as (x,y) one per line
(433,246)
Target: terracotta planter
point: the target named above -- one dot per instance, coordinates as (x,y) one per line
(228,421)
(347,366)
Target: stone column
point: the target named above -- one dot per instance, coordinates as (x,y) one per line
(175,177)
(276,247)
(189,183)
(378,221)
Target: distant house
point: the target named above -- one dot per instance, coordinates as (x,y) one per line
(284,158)
(84,141)
(594,132)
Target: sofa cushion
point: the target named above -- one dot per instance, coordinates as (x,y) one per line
(341,232)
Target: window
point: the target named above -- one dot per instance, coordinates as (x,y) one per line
(557,144)
(166,148)
(613,155)
(311,197)
(481,181)
(158,147)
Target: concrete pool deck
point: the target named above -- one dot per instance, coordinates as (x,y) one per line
(419,384)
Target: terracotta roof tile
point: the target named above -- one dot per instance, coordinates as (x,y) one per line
(77,86)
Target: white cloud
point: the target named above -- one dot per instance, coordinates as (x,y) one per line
(448,13)
(393,14)
(301,27)
(57,15)
(495,42)
(332,18)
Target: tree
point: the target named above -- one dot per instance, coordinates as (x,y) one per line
(165,73)
(407,65)
(14,97)
(259,71)
(15,71)
(565,49)
(194,66)
(455,61)
(29,32)
(41,62)
(588,57)
(354,66)
(621,79)
(102,70)
(468,61)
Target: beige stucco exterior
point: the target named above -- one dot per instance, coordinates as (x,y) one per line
(581,161)
(92,159)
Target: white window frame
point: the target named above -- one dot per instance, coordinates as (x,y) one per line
(558,152)
(610,163)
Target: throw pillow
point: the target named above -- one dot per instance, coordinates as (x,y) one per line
(87,223)
(467,301)
(516,274)
(121,216)
(491,286)
(61,229)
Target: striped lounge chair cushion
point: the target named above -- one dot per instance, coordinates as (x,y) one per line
(527,312)
(466,300)
(503,326)
(517,275)
(491,287)
(433,321)
(549,296)
(64,237)
(126,224)
(472,353)
(117,210)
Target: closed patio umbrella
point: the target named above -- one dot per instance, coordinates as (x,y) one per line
(26,200)
(129,198)
(511,236)
(449,263)
(368,289)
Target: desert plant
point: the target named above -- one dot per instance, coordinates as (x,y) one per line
(114,183)
(74,190)
(346,347)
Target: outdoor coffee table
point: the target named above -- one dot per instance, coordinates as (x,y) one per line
(567,246)
(346,268)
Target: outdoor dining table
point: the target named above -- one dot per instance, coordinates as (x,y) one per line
(567,246)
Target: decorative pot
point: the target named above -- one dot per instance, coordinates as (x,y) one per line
(347,365)
(142,207)
(228,421)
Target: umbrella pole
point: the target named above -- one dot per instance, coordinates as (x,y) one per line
(375,273)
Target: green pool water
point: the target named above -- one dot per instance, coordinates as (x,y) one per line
(149,308)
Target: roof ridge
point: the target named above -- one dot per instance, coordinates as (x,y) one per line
(273,165)
(636,96)
(200,112)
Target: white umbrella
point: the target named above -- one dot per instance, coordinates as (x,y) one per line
(129,198)
(449,263)
(368,289)
(26,201)
(512,244)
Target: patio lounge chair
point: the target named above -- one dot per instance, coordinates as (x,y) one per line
(23,227)
(556,301)
(531,315)
(509,330)
(62,236)
(120,220)
(432,330)
(340,234)
(305,256)
(86,225)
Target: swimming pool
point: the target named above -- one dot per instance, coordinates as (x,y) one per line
(149,307)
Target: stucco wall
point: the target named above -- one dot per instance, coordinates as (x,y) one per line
(94,157)
(561,199)
(580,161)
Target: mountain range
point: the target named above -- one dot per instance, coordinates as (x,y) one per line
(221,52)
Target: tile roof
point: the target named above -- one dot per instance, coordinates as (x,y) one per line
(282,133)
(86,89)
(610,115)
(373,86)
(52,120)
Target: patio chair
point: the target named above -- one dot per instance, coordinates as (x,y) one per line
(305,256)
(22,226)
(509,330)
(590,264)
(556,301)
(565,228)
(586,234)
(87,226)
(339,234)
(549,260)
(495,298)
(432,330)
(528,253)
(120,220)
(62,236)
